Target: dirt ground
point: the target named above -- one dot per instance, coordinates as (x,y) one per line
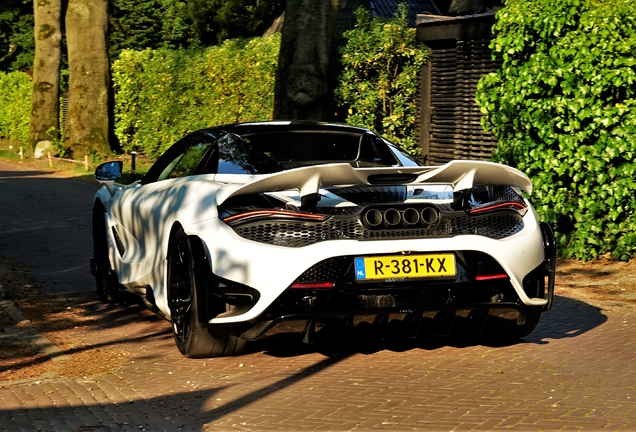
(606,283)
(61,319)
(74,323)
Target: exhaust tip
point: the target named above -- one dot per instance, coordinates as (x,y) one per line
(392,218)
(429,217)
(373,218)
(410,217)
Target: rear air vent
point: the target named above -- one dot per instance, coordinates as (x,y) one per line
(120,246)
(366,195)
(391,178)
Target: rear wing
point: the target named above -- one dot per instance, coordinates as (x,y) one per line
(308,180)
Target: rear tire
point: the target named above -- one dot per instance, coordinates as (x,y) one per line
(189,278)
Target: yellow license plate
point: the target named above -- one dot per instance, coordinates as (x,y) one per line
(405,266)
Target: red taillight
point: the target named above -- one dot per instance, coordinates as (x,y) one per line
(313,285)
(264,214)
(509,205)
(491,276)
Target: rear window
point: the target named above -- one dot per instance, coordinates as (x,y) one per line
(293,149)
(237,156)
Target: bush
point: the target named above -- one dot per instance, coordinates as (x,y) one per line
(379,80)
(162,95)
(563,108)
(15,106)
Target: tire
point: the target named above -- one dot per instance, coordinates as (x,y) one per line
(189,278)
(533,313)
(105,280)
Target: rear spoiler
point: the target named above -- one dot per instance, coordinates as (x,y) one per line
(308,180)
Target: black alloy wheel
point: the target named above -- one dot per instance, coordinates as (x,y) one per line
(180,292)
(189,279)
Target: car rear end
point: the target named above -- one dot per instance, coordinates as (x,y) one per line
(422,255)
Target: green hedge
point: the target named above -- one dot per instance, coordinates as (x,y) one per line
(162,95)
(379,80)
(15,106)
(563,107)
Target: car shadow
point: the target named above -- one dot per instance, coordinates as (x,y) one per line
(30,173)
(193,409)
(568,318)
(188,410)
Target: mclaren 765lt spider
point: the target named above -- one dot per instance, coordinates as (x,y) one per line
(252,230)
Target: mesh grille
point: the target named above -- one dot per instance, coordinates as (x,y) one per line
(298,234)
(482,263)
(505,193)
(331,269)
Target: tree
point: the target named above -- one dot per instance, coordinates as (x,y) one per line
(141,24)
(563,109)
(44,123)
(378,84)
(468,7)
(17,44)
(87,121)
(217,20)
(301,90)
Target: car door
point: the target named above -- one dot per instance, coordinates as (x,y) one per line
(146,211)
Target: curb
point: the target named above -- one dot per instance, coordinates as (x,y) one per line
(11,310)
(42,342)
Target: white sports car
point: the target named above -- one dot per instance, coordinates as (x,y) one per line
(247,231)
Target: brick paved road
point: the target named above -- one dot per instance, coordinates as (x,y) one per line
(576,371)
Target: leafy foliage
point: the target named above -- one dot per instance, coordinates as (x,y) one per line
(563,107)
(154,24)
(217,20)
(141,24)
(17,45)
(15,106)
(379,79)
(162,95)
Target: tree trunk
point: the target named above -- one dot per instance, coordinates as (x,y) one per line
(44,123)
(301,88)
(87,122)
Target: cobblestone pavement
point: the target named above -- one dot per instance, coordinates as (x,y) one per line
(576,371)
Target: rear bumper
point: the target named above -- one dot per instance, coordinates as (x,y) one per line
(272,269)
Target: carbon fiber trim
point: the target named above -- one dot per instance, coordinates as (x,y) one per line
(365,195)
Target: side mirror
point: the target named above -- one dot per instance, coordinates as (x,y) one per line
(109,171)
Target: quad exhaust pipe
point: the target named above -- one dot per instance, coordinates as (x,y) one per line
(407,218)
